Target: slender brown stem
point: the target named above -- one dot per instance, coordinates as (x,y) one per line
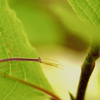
(32,85)
(87,69)
(83,83)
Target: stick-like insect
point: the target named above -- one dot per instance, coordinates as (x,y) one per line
(26,59)
(19,59)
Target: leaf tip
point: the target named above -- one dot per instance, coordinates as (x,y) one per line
(71,96)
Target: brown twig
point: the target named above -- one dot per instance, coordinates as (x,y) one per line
(87,69)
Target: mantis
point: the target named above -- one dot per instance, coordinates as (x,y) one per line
(25,59)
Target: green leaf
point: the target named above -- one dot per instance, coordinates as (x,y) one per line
(11,31)
(87,10)
(41,22)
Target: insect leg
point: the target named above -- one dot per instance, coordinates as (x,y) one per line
(8,47)
(17,63)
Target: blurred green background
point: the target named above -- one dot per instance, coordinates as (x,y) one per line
(47,24)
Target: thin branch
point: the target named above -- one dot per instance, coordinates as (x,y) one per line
(86,71)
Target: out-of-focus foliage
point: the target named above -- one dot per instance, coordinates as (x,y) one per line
(39,24)
(43,25)
(70,21)
(50,22)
